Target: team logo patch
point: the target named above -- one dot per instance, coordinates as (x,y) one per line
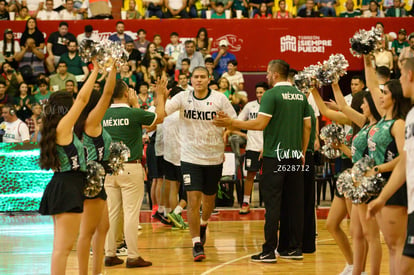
(248,163)
(187,179)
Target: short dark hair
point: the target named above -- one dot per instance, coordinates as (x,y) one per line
(42,81)
(141,30)
(201,68)
(119,22)
(88,28)
(70,80)
(280,66)
(1,81)
(174,34)
(63,23)
(209,60)
(189,42)
(219,4)
(120,87)
(359,77)
(187,60)
(262,84)
(143,84)
(234,62)
(383,71)
(62,62)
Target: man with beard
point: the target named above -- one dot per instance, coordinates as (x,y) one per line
(284,116)
(407,52)
(120,35)
(57,45)
(75,64)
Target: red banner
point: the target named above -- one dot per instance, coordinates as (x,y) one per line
(301,42)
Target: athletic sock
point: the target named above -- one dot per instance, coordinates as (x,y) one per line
(196,240)
(161,209)
(167,211)
(178,210)
(203,222)
(246,199)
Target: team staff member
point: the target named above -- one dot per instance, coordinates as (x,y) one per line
(202,151)
(285,118)
(123,121)
(403,172)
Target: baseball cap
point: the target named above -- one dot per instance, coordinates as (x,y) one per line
(411,36)
(402,31)
(8,31)
(223,43)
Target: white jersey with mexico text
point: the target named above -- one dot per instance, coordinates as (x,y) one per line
(202,142)
(159,140)
(172,138)
(409,150)
(16,131)
(254,138)
(312,102)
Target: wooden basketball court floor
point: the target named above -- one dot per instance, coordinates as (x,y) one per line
(26,246)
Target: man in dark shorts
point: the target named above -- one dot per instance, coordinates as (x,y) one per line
(202,151)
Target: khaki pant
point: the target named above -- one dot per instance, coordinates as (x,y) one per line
(125,192)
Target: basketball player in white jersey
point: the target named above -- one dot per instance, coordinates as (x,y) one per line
(202,151)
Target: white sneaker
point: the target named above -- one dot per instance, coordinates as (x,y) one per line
(347,270)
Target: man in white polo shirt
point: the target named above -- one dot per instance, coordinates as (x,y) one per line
(14,129)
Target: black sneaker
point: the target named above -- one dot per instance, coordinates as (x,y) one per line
(122,250)
(263,257)
(198,252)
(203,238)
(162,218)
(295,254)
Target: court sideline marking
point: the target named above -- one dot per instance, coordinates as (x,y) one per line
(241,258)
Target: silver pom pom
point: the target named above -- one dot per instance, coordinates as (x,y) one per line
(365,42)
(332,134)
(95,177)
(105,51)
(361,167)
(119,153)
(373,185)
(344,182)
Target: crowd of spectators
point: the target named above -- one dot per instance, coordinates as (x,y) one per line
(36,66)
(215,9)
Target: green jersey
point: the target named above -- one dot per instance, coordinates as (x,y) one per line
(71,156)
(97,148)
(124,124)
(359,146)
(287,107)
(381,144)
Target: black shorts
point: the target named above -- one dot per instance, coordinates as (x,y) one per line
(151,162)
(409,241)
(252,162)
(203,178)
(160,167)
(172,172)
(399,198)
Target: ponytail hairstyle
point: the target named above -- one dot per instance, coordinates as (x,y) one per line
(54,110)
